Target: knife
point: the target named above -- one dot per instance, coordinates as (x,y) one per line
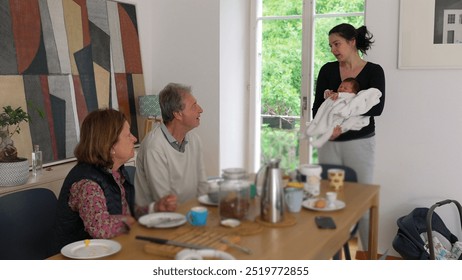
(236,246)
(173,242)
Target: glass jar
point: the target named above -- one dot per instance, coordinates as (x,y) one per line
(234,194)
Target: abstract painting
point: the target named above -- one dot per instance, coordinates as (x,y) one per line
(66,58)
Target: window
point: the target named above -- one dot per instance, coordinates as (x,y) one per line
(451,18)
(290,47)
(281,74)
(450,37)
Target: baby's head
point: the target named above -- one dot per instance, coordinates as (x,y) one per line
(349,85)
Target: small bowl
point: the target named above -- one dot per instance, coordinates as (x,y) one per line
(213,196)
(232,223)
(214,188)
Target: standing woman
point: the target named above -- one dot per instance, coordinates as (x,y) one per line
(354,148)
(96,199)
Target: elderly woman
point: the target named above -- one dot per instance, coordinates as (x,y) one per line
(96,199)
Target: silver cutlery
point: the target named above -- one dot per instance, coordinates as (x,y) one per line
(173,242)
(236,246)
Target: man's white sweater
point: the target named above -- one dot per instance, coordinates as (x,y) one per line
(162,170)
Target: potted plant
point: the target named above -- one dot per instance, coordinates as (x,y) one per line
(14,170)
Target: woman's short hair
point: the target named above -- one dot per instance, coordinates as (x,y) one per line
(171,100)
(99,132)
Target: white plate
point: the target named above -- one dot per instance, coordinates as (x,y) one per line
(204,199)
(162,220)
(309,204)
(97,248)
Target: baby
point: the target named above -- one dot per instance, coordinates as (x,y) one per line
(349,85)
(344,108)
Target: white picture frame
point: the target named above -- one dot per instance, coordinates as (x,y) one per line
(417,47)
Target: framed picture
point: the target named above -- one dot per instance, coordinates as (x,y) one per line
(430,34)
(67,58)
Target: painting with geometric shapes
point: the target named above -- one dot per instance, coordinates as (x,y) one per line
(66,58)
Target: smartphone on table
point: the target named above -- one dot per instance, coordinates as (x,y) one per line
(325,222)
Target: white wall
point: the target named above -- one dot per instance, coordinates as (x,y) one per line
(186,50)
(234,79)
(204,42)
(180,42)
(419,134)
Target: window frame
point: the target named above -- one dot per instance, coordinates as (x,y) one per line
(308,17)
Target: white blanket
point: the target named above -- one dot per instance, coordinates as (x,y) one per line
(346,111)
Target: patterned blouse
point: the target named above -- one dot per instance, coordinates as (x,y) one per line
(87,198)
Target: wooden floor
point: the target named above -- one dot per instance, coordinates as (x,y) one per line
(353,247)
(353,244)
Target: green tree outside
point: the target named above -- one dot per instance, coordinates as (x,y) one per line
(282,68)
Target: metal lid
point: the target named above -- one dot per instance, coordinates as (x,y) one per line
(234,173)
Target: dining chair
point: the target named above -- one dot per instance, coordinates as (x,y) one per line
(350,176)
(131,170)
(26,224)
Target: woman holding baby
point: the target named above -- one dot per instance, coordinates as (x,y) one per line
(353,148)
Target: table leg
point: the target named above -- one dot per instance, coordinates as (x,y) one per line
(373,229)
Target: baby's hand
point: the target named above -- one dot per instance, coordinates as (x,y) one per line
(330,94)
(334,96)
(327,93)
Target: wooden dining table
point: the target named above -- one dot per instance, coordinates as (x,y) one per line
(297,238)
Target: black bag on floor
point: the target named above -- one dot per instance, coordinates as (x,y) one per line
(408,241)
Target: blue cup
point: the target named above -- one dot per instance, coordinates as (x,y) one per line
(197,216)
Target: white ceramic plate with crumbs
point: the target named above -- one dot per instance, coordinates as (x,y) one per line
(94,249)
(204,199)
(162,220)
(310,204)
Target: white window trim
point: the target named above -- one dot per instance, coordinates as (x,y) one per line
(255,79)
(307,85)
